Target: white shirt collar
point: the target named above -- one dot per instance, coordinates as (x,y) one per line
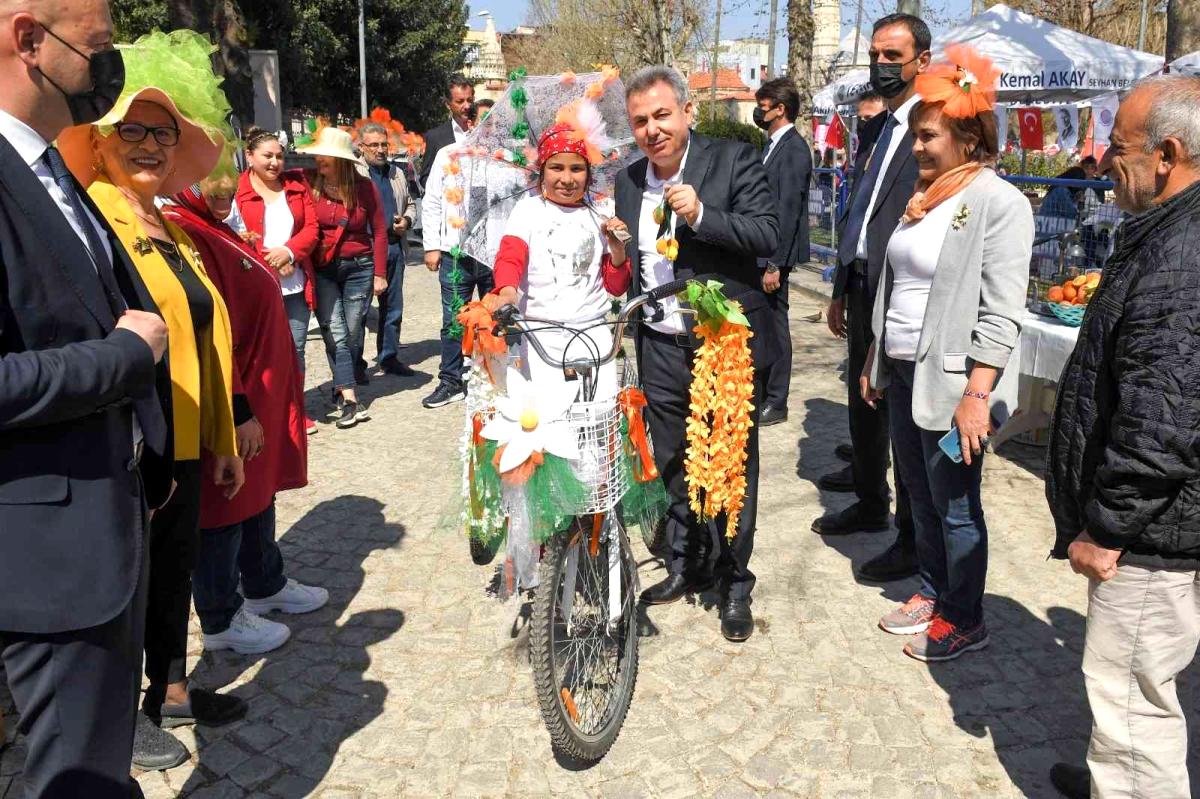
(903,111)
(654,182)
(779,134)
(28,143)
(458,130)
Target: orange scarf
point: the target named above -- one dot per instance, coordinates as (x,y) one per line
(943,188)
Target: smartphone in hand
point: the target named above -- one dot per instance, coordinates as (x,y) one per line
(951,444)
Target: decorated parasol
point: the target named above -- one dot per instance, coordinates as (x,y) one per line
(496,164)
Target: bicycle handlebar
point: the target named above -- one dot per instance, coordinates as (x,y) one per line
(510,316)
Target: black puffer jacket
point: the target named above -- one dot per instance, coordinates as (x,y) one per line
(1124,457)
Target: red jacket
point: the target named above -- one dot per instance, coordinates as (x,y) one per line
(305,232)
(265,368)
(365,228)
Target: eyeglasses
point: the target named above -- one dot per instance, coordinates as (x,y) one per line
(133,133)
(379,145)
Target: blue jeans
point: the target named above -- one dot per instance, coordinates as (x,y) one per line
(342,314)
(475,277)
(391,307)
(247,549)
(951,535)
(298,315)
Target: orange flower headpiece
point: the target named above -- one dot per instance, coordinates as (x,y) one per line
(965,84)
(579,128)
(399,138)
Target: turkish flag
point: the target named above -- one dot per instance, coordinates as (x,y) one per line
(835,138)
(1032,135)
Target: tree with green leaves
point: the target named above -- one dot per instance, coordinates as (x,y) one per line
(413,46)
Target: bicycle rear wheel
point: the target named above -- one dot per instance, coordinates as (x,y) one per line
(583,643)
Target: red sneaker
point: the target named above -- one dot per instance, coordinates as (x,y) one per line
(310,427)
(912,617)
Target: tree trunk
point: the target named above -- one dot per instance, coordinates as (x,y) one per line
(800,31)
(1183,28)
(223,22)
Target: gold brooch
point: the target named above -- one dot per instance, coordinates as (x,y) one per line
(960,217)
(142,246)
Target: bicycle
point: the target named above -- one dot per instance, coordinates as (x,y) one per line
(583,638)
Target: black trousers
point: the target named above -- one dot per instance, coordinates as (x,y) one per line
(76,693)
(779,373)
(665,368)
(869,426)
(174,543)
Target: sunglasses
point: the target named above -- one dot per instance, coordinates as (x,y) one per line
(134,133)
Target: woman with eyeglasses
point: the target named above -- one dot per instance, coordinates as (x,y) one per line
(165,133)
(276,207)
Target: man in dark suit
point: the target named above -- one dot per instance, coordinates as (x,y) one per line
(83,427)
(724,220)
(882,184)
(460,102)
(789,171)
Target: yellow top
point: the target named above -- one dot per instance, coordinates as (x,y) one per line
(201,369)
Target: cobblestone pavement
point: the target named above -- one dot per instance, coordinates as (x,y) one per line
(414,682)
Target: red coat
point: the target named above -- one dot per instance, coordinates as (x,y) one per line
(265,368)
(305,233)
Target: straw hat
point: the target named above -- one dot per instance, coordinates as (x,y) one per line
(172,70)
(335,143)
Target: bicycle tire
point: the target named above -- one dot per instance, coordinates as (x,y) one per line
(566,736)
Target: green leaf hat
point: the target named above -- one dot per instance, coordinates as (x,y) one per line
(173,70)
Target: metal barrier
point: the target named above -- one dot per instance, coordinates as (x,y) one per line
(1074,221)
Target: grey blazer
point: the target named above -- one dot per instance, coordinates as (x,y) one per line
(975,308)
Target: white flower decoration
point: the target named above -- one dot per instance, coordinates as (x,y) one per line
(967,80)
(532,419)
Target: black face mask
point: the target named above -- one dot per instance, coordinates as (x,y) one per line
(886,79)
(760,118)
(108,79)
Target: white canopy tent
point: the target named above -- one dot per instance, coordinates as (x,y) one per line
(1041,63)
(1188,64)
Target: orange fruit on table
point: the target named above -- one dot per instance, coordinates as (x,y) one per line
(1069,292)
(1082,297)
(1054,294)
(1079,281)
(1093,279)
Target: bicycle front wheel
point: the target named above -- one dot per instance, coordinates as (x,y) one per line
(583,642)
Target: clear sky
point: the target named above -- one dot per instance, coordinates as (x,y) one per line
(747,18)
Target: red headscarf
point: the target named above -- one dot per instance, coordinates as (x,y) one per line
(561,138)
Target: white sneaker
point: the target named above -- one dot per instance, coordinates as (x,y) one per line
(249,634)
(294,597)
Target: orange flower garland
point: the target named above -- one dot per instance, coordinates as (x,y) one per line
(718,429)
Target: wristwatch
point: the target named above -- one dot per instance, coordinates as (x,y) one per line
(771,268)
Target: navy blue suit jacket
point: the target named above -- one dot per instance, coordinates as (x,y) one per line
(72,502)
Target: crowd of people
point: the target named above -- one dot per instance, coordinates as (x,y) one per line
(155,304)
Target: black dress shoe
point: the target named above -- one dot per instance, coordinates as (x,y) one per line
(771,415)
(894,563)
(737,622)
(845,452)
(1074,782)
(673,588)
(851,520)
(838,481)
(154,749)
(393,367)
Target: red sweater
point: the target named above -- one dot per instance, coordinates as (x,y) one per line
(366,231)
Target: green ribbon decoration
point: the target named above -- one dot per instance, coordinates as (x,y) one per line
(520,130)
(712,307)
(520,99)
(456,302)
(520,73)
(519,158)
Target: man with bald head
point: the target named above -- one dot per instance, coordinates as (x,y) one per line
(84,444)
(1123,474)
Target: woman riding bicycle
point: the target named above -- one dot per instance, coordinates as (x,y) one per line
(562,256)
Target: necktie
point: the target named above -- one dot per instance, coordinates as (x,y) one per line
(66,181)
(864,188)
